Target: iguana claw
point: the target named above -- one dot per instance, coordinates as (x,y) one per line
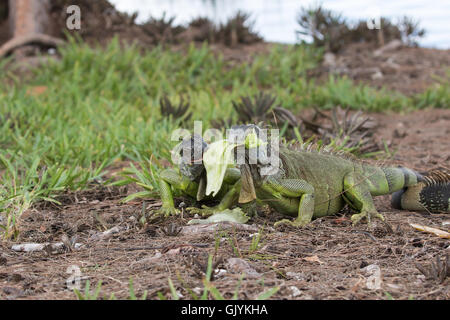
(166,212)
(204,211)
(369,215)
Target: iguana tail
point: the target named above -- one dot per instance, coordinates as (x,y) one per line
(431,193)
(387,180)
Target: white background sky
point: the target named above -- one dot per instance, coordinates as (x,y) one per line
(275,20)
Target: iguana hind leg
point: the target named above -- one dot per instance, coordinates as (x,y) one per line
(292,188)
(357,194)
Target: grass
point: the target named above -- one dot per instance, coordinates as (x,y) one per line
(76,117)
(95,295)
(209,289)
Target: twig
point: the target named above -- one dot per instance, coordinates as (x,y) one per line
(41,39)
(164,248)
(365,233)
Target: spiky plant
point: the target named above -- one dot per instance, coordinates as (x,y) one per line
(254,109)
(326,28)
(162,30)
(331,30)
(259,108)
(176,112)
(410,30)
(203,29)
(282,115)
(438,270)
(221,123)
(238,29)
(353,132)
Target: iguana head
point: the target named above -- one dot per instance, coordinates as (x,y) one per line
(244,147)
(191,150)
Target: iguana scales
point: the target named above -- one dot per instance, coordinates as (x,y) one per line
(314,184)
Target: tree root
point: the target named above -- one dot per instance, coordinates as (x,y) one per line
(33,39)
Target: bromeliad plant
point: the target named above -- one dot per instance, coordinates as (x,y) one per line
(168,109)
(23,186)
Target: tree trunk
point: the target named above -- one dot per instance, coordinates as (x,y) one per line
(29,17)
(3,10)
(29,24)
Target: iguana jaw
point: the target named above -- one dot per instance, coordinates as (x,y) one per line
(191,171)
(192,166)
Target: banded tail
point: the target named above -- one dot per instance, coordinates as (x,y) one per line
(387,180)
(431,193)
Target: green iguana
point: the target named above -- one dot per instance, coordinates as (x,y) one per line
(191,180)
(312,184)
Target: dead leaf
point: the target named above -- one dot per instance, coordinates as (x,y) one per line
(237,265)
(107,234)
(174,251)
(154,204)
(157,256)
(211,228)
(436,232)
(341,220)
(313,259)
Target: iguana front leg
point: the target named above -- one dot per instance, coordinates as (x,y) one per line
(357,195)
(295,188)
(228,200)
(171,178)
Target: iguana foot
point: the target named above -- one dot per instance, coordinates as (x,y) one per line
(295,223)
(165,212)
(250,209)
(369,215)
(204,211)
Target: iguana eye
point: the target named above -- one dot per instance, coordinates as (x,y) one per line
(191,150)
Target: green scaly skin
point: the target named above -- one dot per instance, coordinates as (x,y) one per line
(310,185)
(171,179)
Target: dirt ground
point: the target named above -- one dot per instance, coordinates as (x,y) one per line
(408,70)
(329,259)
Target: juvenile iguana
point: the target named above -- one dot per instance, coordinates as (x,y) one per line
(191,180)
(312,184)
